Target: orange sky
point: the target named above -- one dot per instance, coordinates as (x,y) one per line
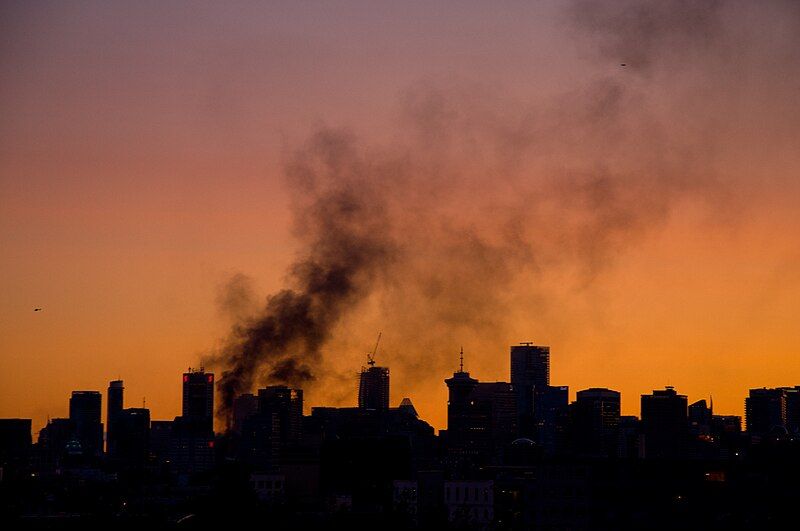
(141,163)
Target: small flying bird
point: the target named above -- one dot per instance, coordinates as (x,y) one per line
(623,64)
(37,309)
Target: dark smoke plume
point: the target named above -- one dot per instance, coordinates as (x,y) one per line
(342,227)
(481,210)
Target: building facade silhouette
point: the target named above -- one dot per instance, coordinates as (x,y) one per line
(114,406)
(595,422)
(85,409)
(198,397)
(373,388)
(665,424)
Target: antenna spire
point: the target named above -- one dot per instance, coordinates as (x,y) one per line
(461,360)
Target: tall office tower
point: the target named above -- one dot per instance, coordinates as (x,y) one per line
(727,429)
(530,370)
(133,441)
(276,426)
(244,407)
(373,388)
(551,415)
(53,440)
(468,421)
(287,405)
(530,365)
(198,397)
(85,409)
(765,411)
(502,400)
(595,417)
(114,409)
(630,440)
(664,424)
(481,418)
(792,409)
(700,419)
(160,441)
(15,447)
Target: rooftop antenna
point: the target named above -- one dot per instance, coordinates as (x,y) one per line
(371,356)
(461,360)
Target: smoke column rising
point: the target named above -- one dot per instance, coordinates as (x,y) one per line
(482,204)
(343,228)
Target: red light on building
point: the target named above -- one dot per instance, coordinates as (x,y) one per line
(210,378)
(185,378)
(211,444)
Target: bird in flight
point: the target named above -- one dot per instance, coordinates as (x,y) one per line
(623,64)
(37,309)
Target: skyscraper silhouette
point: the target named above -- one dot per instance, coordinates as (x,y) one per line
(481,417)
(530,375)
(373,388)
(595,417)
(85,409)
(113,411)
(198,397)
(665,424)
(530,365)
(765,411)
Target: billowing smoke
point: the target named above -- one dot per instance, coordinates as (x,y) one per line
(481,207)
(343,229)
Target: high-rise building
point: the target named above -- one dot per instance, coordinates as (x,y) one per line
(700,419)
(550,418)
(373,388)
(114,409)
(468,435)
(15,447)
(198,397)
(792,409)
(481,418)
(765,411)
(665,424)
(244,407)
(191,445)
(530,365)
(53,440)
(275,426)
(133,436)
(160,440)
(192,437)
(287,404)
(630,438)
(727,430)
(85,409)
(595,418)
(530,370)
(502,400)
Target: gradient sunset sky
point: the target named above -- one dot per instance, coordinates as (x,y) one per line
(642,220)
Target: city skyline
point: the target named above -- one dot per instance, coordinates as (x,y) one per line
(513,455)
(379,393)
(633,405)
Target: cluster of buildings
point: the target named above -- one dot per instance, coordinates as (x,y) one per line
(515,453)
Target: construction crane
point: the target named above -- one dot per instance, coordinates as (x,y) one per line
(371,355)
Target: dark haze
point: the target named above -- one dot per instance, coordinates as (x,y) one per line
(482,202)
